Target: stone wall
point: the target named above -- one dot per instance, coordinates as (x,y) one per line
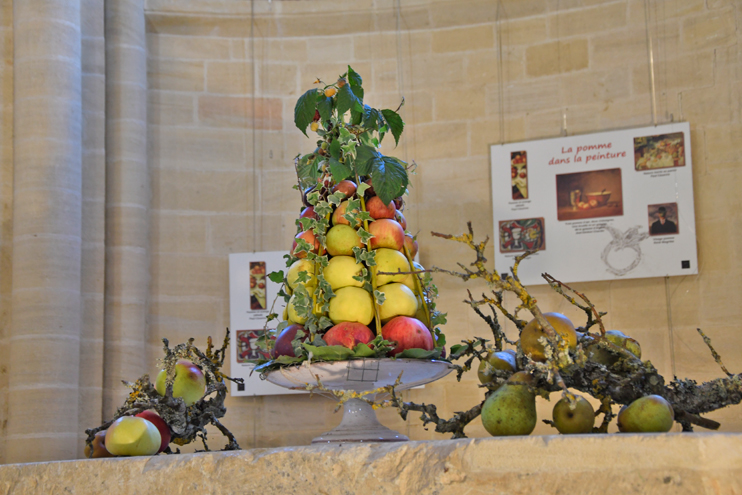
(675,464)
(202,167)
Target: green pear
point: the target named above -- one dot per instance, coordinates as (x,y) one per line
(578,417)
(601,355)
(622,340)
(651,413)
(501,360)
(511,409)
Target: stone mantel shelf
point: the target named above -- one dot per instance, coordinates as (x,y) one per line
(699,463)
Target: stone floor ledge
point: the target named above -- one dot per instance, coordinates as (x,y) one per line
(697,463)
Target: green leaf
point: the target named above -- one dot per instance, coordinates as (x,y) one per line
(339,170)
(362,187)
(304,110)
(329,353)
(347,100)
(354,78)
(389,178)
(363,351)
(308,169)
(379,297)
(366,159)
(419,354)
(372,118)
(396,124)
(324,106)
(335,150)
(364,235)
(276,277)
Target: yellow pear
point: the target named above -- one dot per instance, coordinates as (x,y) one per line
(399,300)
(302,265)
(390,260)
(529,337)
(340,271)
(352,304)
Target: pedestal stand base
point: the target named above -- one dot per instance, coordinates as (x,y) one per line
(360,424)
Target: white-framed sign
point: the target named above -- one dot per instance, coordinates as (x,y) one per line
(601,206)
(251,295)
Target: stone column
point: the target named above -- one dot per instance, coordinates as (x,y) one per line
(127,200)
(45,330)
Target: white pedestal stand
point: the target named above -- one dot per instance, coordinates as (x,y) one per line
(359,422)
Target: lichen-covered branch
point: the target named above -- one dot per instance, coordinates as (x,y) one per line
(187,423)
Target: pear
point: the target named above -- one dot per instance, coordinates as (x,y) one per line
(511,409)
(529,337)
(651,413)
(501,360)
(578,418)
(600,355)
(622,340)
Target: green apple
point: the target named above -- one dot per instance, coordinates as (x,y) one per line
(130,435)
(399,300)
(302,265)
(389,260)
(189,383)
(351,304)
(340,271)
(341,239)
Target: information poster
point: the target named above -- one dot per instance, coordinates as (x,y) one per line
(604,206)
(251,295)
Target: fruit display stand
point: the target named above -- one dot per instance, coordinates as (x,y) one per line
(364,377)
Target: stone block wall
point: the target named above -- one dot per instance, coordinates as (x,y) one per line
(221,82)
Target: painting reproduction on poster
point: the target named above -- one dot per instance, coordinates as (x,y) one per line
(251,296)
(601,206)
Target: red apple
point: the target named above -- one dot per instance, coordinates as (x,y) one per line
(308,236)
(347,187)
(154,418)
(377,209)
(411,244)
(408,333)
(348,334)
(283,341)
(401,219)
(386,234)
(337,215)
(309,213)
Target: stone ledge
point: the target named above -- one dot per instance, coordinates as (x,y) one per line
(700,463)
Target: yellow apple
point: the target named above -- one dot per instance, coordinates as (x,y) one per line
(292,314)
(130,435)
(189,382)
(341,239)
(389,260)
(352,304)
(340,271)
(302,265)
(399,301)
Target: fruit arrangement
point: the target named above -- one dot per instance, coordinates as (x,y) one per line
(352,288)
(551,355)
(174,409)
